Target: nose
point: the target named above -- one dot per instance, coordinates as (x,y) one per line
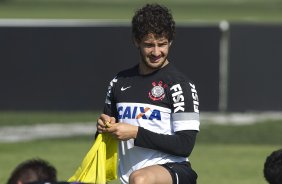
(156,51)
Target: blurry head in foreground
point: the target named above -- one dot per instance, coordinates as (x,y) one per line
(59,182)
(273,167)
(33,170)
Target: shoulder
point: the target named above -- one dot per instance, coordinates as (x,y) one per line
(129,72)
(175,76)
(126,73)
(182,91)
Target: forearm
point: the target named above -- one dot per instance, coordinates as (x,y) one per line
(180,144)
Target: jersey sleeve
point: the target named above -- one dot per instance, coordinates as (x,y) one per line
(110,105)
(184,106)
(171,144)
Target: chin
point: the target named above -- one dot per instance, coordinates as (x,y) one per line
(155,65)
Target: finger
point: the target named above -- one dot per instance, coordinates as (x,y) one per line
(112,128)
(105,117)
(105,120)
(100,128)
(100,122)
(107,124)
(112,120)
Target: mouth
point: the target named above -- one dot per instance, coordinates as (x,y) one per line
(155,59)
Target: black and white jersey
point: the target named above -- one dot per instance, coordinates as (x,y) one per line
(162,102)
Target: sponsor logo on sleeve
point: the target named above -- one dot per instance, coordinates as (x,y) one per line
(195,98)
(178,98)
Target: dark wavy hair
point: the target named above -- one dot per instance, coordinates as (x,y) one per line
(153,18)
(33,170)
(273,167)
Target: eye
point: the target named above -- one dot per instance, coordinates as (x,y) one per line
(163,44)
(148,45)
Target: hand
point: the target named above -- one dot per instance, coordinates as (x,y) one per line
(123,131)
(104,122)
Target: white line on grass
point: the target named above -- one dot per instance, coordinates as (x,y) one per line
(43,131)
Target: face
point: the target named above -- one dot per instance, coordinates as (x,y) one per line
(153,52)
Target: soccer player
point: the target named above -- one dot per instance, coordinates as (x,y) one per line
(152,108)
(273,167)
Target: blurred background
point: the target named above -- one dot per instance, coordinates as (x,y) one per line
(58,56)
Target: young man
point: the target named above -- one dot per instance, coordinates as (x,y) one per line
(152,108)
(273,167)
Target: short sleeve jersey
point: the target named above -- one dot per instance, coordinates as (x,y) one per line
(164,102)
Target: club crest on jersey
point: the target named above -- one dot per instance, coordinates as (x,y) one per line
(157,92)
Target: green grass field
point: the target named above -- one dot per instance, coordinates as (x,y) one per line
(223,153)
(214,163)
(183,10)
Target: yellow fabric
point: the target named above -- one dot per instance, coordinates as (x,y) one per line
(100,163)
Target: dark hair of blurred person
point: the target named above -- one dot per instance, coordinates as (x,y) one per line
(33,170)
(273,167)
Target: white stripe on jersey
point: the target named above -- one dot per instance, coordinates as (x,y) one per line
(186,125)
(186,121)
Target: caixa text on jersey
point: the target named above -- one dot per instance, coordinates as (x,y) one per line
(137,112)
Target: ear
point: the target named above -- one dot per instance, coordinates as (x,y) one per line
(170,43)
(136,43)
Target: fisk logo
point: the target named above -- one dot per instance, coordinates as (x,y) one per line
(195,98)
(177,98)
(136,112)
